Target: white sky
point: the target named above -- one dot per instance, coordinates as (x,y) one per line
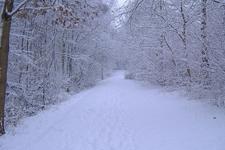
(118,7)
(120,3)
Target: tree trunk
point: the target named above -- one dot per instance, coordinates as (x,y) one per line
(204,50)
(184,39)
(4,50)
(102,72)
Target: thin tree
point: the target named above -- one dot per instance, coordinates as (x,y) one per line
(4,50)
(204,51)
(6,18)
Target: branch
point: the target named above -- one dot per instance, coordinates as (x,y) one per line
(10,14)
(18,8)
(217,1)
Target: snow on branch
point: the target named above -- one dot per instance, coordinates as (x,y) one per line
(17,8)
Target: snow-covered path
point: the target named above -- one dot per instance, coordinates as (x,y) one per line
(120,114)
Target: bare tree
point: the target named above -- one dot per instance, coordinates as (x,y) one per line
(4,50)
(204,51)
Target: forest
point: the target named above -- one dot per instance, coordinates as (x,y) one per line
(52,49)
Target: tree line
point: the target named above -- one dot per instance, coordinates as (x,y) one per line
(178,43)
(48,49)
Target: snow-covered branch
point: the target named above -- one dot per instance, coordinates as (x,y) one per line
(15,10)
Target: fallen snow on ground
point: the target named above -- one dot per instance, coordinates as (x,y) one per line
(120,114)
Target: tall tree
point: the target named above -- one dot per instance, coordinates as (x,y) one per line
(204,51)
(4,50)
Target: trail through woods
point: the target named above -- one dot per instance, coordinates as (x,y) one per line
(121,114)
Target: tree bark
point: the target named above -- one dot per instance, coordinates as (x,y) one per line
(204,51)
(4,50)
(184,38)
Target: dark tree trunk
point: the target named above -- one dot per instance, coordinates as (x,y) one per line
(4,50)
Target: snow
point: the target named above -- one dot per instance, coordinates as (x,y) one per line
(121,114)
